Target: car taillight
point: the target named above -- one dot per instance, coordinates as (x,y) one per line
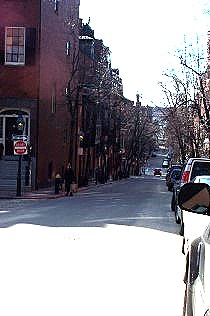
(185,176)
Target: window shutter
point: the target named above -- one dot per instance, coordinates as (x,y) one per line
(2,45)
(30,46)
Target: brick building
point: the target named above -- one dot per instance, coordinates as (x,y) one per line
(100,112)
(38,42)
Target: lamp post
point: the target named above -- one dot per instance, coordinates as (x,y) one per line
(18,191)
(20,125)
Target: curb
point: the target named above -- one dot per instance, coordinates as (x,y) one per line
(49,195)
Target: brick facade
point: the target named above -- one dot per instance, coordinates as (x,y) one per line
(38,87)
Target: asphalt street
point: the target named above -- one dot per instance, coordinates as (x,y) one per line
(112,249)
(137,201)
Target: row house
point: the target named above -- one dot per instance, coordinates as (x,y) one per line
(102,99)
(59,92)
(38,41)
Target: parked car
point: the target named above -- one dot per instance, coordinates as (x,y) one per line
(174,207)
(169,173)
(165,163)
(194,198)
(157,172)
(174,176)
(194,167)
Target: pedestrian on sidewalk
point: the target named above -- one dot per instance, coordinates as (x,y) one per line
(69,179)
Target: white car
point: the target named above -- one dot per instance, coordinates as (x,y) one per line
(194,198)
(194,168)
(194,223)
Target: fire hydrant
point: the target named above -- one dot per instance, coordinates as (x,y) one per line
(58,183)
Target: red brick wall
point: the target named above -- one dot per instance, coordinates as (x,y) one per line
(48,75)
(55,70)
(19,81)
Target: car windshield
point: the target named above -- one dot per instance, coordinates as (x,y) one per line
(200,168)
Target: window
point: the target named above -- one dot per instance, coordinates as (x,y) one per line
(15,45)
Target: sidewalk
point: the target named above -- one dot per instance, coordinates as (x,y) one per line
(40,194)
(46,194)
(49,193)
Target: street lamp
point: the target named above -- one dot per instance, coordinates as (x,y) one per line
(20,125)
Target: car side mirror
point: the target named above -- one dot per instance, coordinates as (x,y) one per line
(195,197)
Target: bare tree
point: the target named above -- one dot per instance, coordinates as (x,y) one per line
(140,138)
(179,118)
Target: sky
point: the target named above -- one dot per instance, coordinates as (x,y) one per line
(144,37)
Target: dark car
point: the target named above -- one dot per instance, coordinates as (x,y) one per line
(165,163)
(173,178)
(157,172)
(168,175)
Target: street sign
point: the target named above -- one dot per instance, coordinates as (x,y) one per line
(20,147)
(20,137)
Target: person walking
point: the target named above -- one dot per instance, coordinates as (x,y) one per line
(69,179)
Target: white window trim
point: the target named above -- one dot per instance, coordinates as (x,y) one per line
(5,50)
(68,47)
(56,5)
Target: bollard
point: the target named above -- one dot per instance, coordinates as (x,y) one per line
(57,183)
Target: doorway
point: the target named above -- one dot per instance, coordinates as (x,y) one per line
(9,120)
(11,128)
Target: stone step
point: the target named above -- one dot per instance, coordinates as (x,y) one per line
(8,175)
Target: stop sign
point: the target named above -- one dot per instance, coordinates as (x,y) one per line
(20,147)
